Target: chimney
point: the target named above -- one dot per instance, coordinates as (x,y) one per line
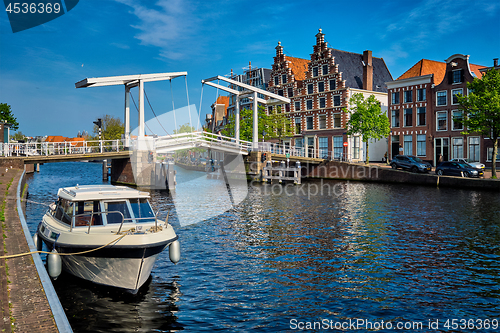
(249,66)
(495,62)
(367,70)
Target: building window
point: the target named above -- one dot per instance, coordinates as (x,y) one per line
(421,116)
(290,92)
(457,76)
(309,89)
(309,104)
(297,127)
(270,109)
(395,98)
(408,114)
(322,121)
(355,148)
(309,124)
(490,155)
(336,100)
(395,118)
(408,97)
(458,147)
(322,102)
(442,120)
(276,80)
(336,120)
(321,86)
(323,146)
(287,108)
(408,145)
(474,148)
(332,85)
(297,106)
(283,78)
(338,147)
(299,143)
(315,71)
(421,95)
(441,98)
(421,145)
(280,92)
(456,121)
(454,94)
(325,69)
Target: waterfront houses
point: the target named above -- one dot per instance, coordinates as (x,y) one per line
(424,110)
(319,90)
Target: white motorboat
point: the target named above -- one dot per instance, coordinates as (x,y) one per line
(106,234)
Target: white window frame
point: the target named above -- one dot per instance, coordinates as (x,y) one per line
(393,118)
(340,120)
(405,94)
(323,83)
(322,118)
(460,91)
(315,69)
(325,72)
(307,104)
(404,117)
(453,154)
(324,102)
(469,155)
(310,85)
(421,151)
(408,145)
(489,152)
(453,76)
(295,105)
(424,95)
(330,84)
(425,117)
(453,121)
(445,97)
(307,123)
(393,95)
(340,100)
(437,122)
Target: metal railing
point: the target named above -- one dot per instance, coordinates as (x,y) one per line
(320,153)
(123,220)
(59,148)
(203,139)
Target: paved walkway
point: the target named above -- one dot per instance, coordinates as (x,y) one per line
(487,171)
(22,298)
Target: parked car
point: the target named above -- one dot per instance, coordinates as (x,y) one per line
(410,162)
(452,168)
(476,165)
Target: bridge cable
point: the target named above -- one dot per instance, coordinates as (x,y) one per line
(201,100)
(189,108)
(158,120)
(173,106)
(138,112)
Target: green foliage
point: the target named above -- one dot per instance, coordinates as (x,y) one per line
(7,116)
(186,128)
(112,128)
(367,119)
(275,125)
(18,136)
(481,109)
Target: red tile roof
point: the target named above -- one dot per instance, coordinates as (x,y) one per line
(438,68)
(299,67)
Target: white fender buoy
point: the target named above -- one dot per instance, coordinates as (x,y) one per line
(54,264)
(174,250)
(38,242)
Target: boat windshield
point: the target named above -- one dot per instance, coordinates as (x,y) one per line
(142,210)
(113,208)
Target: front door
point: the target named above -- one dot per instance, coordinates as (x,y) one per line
(310,146)
(442,149)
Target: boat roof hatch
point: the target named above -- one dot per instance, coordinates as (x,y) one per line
(99,192)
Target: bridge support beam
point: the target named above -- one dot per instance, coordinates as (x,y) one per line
(127,116)
(255,138)
(237,120)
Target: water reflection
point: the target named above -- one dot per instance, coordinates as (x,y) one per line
(371,251)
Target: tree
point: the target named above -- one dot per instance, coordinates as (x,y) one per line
(481,110)
(186,128)
(278,125)
(112,128)
(246,124)
(18,136)
(7,116)
(367,119)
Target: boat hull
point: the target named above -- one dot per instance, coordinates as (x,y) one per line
(126,267)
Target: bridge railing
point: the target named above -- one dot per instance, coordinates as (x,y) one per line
(59,148)
(192,138)
(321,153)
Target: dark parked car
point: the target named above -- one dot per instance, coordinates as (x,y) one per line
(410,162)
(458,169)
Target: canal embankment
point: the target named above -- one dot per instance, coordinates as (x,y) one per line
(384,174)
(28,299)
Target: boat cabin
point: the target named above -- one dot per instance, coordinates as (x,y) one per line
(102,205)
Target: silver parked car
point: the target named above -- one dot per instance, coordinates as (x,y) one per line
(476,165)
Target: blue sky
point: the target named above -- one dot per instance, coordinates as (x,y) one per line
(39,66)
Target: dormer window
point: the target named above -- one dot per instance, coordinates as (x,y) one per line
(457,76)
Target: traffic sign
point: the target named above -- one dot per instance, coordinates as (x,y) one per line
(345,144)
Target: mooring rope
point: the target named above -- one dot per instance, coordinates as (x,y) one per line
(63,254)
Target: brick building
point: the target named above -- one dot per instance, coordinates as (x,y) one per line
(422,109)
(319,89)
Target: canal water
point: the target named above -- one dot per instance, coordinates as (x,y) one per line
(324,255)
